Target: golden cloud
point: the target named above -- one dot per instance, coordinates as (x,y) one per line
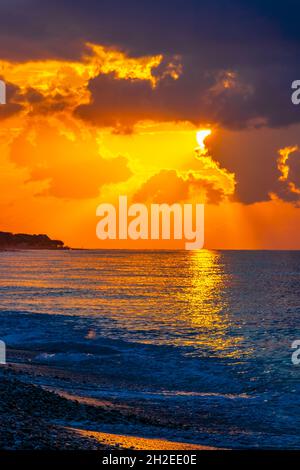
(68,80)
(284,167)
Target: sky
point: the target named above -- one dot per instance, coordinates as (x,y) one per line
(106,97)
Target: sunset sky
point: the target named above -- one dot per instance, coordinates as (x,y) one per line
(105,98)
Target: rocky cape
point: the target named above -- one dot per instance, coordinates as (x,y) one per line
(22,241)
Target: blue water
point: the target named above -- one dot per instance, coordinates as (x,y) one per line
(199,341)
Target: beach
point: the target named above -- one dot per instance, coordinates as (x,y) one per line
(34,418)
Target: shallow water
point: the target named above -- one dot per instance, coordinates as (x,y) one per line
(200,339)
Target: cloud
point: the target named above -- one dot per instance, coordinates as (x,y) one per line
(171,186)
(118,102)
(282,161)
(252,155)
(69,165)
(288,164)
(235,69)
(50,86)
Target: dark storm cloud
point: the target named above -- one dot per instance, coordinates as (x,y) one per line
(197,96)
(258,40)
(117,102)
(252,155)
(148,26)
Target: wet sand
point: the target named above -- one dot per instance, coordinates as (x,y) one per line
(138,443)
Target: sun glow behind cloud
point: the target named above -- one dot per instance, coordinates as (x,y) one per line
(201,136)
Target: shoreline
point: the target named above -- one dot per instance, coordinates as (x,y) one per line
(33,417)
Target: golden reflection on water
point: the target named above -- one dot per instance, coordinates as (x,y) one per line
(172,298)
(207,305)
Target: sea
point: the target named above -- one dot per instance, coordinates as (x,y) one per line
(199,342)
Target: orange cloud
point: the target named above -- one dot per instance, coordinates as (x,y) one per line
(69,164)
(284,167)
(56,149)
(109,60)
(169,186)
(67,81)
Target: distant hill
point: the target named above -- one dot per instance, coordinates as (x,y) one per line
(22,241)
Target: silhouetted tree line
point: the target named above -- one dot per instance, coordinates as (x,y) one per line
(23,241)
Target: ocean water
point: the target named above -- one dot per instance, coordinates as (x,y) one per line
(200,341)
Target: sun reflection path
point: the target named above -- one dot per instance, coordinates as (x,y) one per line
(207,305)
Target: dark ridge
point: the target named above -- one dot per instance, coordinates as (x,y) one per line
(23,241)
